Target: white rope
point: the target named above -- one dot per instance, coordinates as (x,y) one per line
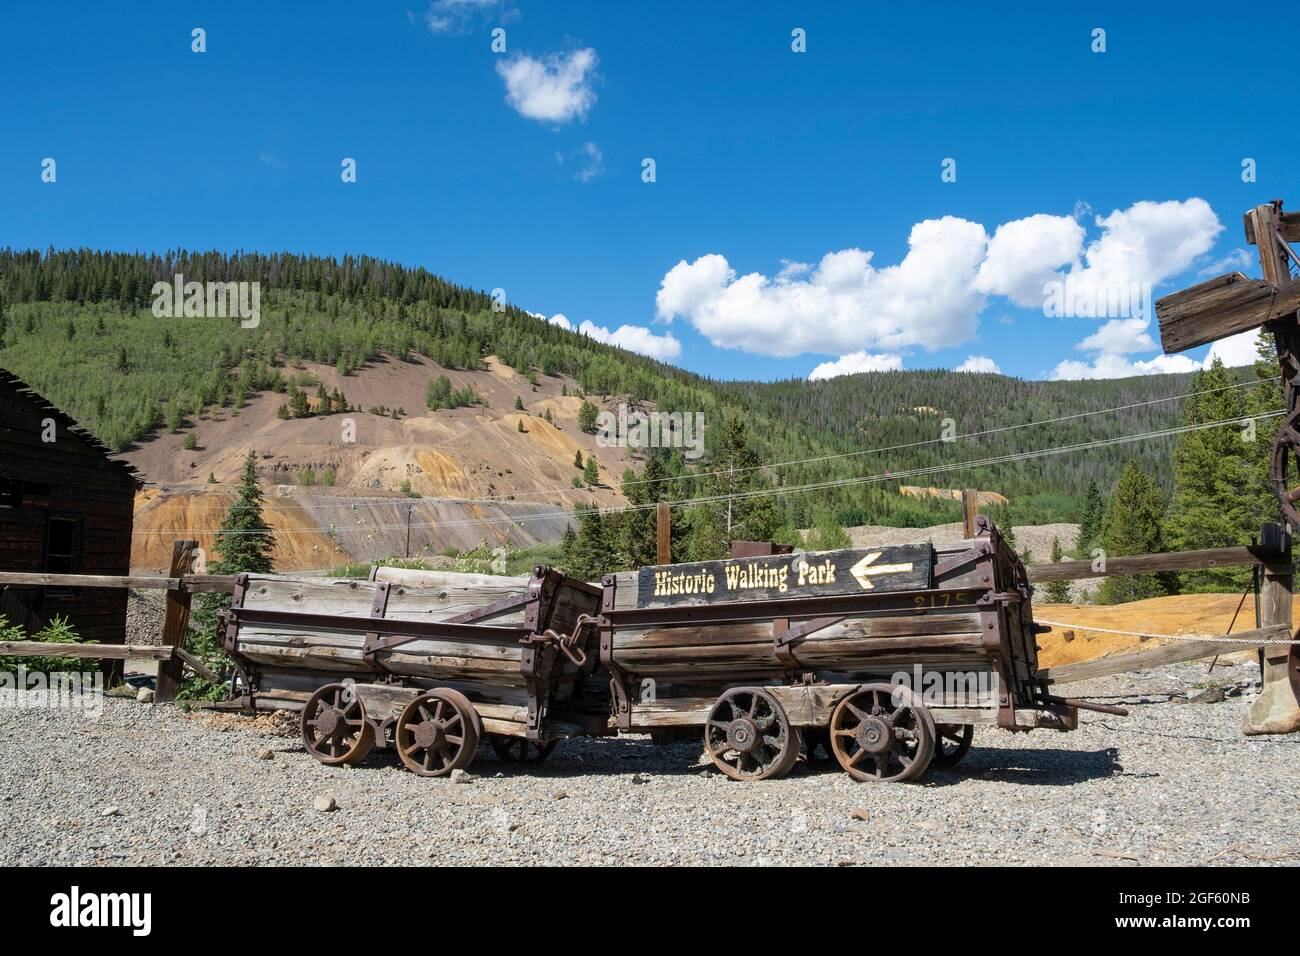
(1252,642)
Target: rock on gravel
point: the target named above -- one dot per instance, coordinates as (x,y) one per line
(1166,785)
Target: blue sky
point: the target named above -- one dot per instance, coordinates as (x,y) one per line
(522,170)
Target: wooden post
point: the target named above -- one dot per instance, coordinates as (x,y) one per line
(969,509)
(663,533)
(176,623)
(1276,710)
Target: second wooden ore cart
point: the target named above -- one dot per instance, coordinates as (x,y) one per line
(886,656)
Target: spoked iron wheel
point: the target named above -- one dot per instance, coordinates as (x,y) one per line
(1284,464)
(437,733)
(334,726)
(748,736)
(520,750)
(951,744)
(876,739)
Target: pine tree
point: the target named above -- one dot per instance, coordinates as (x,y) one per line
(1133,525)
(591,471)
(298,404)
(1058,592)
(587,416)
(519,404)
(1217,501)
(577,458)
(826,533)
(245,541)
(592,552)
(1090,519)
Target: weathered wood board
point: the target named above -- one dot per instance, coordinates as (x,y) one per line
(810,574)
(1220,307)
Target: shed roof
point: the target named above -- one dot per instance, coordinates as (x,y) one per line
(68,423)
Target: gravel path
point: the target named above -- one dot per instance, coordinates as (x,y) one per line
(1170,784)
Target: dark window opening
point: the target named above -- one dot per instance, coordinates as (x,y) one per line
(63,545)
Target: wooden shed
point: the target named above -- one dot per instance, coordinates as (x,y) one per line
(65,508)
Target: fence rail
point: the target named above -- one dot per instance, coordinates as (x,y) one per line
(1121,566)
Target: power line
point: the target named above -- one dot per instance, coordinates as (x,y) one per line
(1008,458)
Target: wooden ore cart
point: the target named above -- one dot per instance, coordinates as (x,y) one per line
(886,657)
(429,663)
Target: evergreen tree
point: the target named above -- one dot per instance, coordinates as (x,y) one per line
(587,416)
(577,458)
(245,541)
(1058,592)
(1090,519)
(519,404)
(1133,525)
(1217,495)
(298,404)
(591,471)
(826,533)
(593,552)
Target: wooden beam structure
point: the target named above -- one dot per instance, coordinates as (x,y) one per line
(1223,306)
(1226,306)
(1128,565)
(1171,653)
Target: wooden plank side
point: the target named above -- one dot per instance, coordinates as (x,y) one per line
(1223,306)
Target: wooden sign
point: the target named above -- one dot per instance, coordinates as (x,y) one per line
(810,574)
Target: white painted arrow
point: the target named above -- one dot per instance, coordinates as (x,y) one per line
(864,569)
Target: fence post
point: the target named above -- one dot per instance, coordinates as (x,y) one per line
(663,533)
(176,623)
(1275,710)
(969,509)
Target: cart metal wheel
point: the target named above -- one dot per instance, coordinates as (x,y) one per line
(334,726)
(437,733)
(749,737)
(951,744)
(519,749)
(876,739)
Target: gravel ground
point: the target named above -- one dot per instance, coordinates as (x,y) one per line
(144,616)
(1173,783)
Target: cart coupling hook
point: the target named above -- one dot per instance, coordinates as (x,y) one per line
(570,644)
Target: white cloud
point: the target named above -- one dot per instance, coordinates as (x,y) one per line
(1235,350)
(634,338)
(934,296)
(1113,343)
(979,363)
(555,89)
(856,362)
(1234,261)
(1025,253)
(591,157)
(1138,248)
(1117,366)
(457,16)
(1119,337)
(843,304)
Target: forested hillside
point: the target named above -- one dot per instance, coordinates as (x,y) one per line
(78,326)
